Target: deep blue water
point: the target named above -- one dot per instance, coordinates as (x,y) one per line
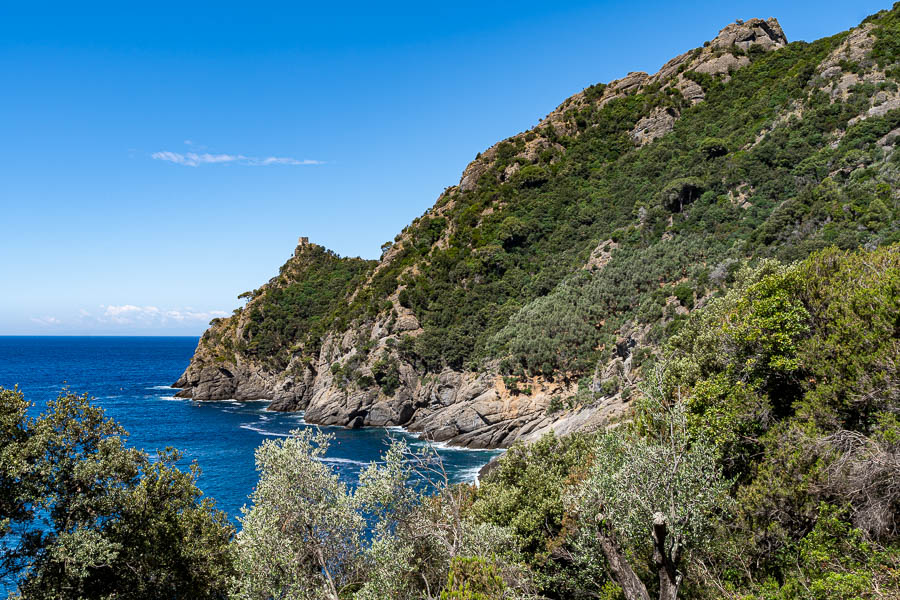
(130,378)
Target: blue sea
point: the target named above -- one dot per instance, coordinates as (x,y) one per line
(130,378)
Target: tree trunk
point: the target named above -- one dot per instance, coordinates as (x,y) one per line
(666,566)
(331,587)
(622,572)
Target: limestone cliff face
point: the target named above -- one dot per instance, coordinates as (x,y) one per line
(210,378)
(355,369)
(471,409)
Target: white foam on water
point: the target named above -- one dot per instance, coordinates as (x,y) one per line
(303,422)
(326,459)
(422,442)
(173,399)
(233,401)
(467,475)
(445,447)
(470,475)
(163,387)
(261,431)
(254,401)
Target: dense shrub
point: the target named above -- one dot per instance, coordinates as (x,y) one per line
(84,516)
(386,372)
(524,493)
(793,372)
(713,148)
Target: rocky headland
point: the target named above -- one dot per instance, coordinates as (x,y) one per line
(361,367)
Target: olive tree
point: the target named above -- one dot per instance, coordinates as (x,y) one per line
(302,537)
(395,537)
(420,528)
(652,487)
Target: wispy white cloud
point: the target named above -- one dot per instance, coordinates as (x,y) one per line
(195,159)
(117,318)
(130,314)
(192,159)
(282,160)
(46,321)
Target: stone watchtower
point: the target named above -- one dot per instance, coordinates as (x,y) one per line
(302,242)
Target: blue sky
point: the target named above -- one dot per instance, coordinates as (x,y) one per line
(159,160)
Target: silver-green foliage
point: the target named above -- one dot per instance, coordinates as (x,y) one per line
(416,536)
(654,488)
(635,477)
(302,537)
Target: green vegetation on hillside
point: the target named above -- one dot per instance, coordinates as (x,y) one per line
(496,271)
(794,208)
(759,463)
(294,310)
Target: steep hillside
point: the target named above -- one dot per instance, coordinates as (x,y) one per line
(529,296)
